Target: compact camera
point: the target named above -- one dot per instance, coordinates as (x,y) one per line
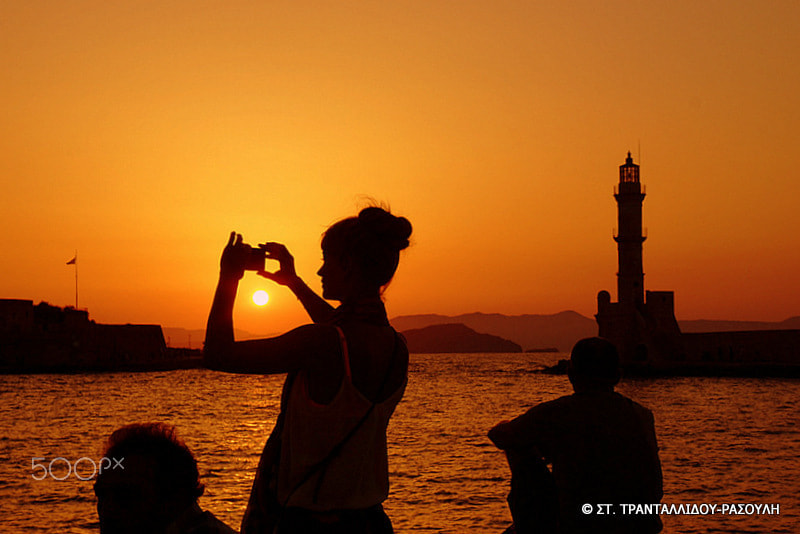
(256,259)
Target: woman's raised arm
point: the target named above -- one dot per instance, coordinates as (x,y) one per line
(301,348)
(219,330)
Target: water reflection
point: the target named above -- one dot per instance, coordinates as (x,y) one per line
(722,440)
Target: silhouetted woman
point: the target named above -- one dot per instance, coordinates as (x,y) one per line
(324,469)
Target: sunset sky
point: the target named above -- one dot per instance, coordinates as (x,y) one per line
(141,133)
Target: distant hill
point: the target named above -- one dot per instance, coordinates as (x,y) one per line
(446,338)
(560,330)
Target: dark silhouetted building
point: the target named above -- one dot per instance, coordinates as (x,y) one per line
(43,337)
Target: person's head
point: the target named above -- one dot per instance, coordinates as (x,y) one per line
(360,254)
(594,365)
(152,478)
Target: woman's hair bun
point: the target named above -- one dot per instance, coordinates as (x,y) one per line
(371,242)
(392,230)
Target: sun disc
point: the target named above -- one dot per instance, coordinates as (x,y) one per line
(260,297)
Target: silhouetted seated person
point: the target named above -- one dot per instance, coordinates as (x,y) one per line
(151,485)
(324,468)
(601,445)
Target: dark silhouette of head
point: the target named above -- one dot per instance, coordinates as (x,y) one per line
(153,478)
(594,365)
(361,253)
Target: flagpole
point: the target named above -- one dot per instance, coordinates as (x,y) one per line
(76,279)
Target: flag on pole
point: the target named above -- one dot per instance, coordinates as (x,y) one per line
(74,261)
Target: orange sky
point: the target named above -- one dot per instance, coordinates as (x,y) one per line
(141,133)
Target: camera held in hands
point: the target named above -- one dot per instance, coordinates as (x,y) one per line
(255,259)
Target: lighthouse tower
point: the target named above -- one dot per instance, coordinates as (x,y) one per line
(641,323)
(629,195)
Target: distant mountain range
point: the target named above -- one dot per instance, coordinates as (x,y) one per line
(560,330)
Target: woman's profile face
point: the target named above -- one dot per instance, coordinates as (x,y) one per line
(334,277)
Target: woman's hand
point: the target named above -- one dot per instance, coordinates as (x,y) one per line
(319,310)
(286,274)
(234,257)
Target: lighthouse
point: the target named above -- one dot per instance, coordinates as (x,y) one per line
(629,237)
(641,323)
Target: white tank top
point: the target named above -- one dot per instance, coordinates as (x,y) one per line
(358,475)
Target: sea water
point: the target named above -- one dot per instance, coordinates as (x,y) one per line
(722,441)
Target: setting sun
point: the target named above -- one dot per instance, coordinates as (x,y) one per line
(260,297)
